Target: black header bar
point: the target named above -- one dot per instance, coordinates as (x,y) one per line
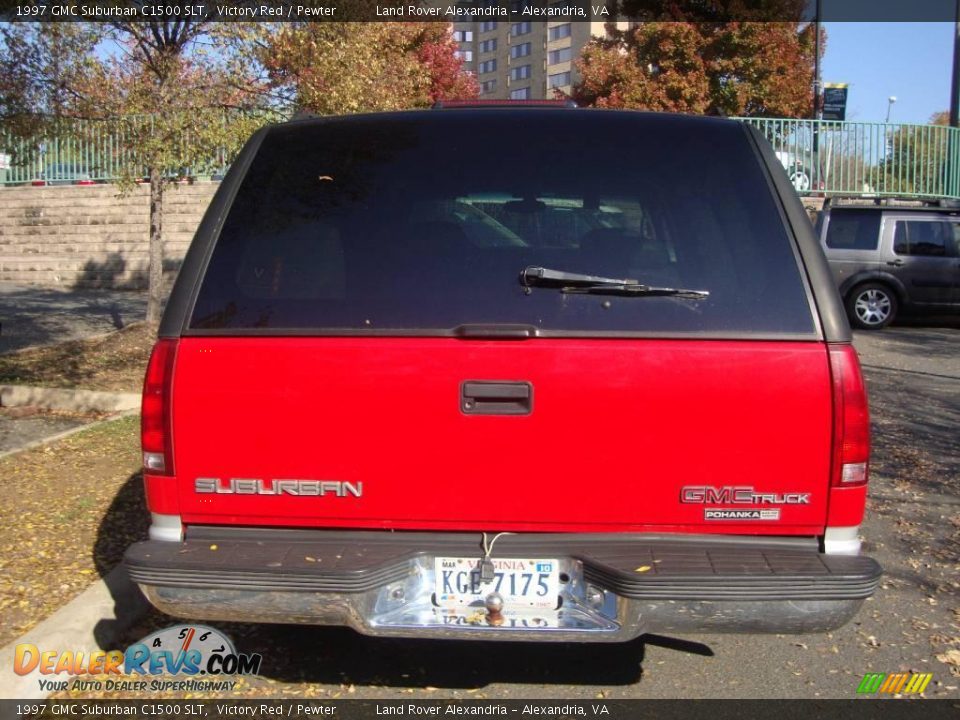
(451,709)
(467,10)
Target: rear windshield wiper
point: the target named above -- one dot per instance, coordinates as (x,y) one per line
(534,276)
(639,291)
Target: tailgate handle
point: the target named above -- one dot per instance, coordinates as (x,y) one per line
(487,397)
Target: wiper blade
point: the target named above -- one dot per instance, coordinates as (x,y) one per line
(535,276)
(638,291)
(545,277)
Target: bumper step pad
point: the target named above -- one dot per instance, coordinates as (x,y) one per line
(637,567)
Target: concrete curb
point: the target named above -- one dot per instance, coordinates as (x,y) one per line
(65,434)
(65,399)
(94,620)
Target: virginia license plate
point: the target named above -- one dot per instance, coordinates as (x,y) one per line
(522,583)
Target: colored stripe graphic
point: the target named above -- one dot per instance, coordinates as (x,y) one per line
(871,682)
(894,683)
(889,682)
(922,680)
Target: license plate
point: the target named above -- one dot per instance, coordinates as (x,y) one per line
(522,583)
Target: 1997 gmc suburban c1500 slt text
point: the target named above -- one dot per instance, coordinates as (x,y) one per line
(515,373)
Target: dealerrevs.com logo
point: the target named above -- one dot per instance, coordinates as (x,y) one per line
(201,653)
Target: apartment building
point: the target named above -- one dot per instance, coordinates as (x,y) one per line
(523,60)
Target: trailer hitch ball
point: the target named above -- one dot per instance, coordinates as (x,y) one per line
(494,604)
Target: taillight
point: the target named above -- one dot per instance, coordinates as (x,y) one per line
(851,419)
(156,437)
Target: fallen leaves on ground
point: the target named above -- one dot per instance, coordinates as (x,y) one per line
(68,512)
(951,658)
(115,363)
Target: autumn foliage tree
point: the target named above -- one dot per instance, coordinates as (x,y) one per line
(437,52)
(759,69)
(339,67)
(40,64)
(186,100)
(176,95)
(916,157)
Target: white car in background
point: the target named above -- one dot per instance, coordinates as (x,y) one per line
(798,169)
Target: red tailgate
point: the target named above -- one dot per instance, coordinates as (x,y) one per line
(617,429)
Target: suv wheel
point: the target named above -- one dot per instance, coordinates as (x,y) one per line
(871,306)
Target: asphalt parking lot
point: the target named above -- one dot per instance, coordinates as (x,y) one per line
(912,624)
(31,315)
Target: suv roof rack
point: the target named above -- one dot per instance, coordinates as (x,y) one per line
(304,115)
(900,203)
(447,104)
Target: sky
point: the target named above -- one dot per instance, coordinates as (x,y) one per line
(910,61)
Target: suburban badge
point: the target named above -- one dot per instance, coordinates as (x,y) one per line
(256,486)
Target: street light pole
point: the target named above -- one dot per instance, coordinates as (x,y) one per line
(953,152)
(817,110)
(816,60)
(955,82)
(890,101)
(817,90)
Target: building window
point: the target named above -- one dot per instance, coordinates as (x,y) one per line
(520,94)
(559,56)
(488,45)
(519,6)
(521,72)
(558,80)
(465,55)
(559,31)
(463,35)
(520,50)
(523,28)
(487,66)
(488,87)
(488,25)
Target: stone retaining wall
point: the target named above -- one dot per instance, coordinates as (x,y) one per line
(89,236)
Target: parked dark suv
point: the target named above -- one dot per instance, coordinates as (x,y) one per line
(507,373)
(888,258)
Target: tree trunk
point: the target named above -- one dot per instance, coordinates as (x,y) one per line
(155,283)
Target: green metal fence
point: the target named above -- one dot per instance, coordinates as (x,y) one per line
(821,157)
(867,159)
(68,151)
(71,151)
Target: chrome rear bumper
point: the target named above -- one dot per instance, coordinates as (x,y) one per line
(383,583)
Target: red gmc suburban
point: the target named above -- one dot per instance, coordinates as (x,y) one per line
(521,373)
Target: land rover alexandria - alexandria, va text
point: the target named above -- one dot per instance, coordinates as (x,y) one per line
(498,372)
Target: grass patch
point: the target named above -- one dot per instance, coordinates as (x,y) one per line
(114,363)
(68,512)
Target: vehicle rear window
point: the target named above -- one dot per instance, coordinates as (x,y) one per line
(420,222)
(853,230)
